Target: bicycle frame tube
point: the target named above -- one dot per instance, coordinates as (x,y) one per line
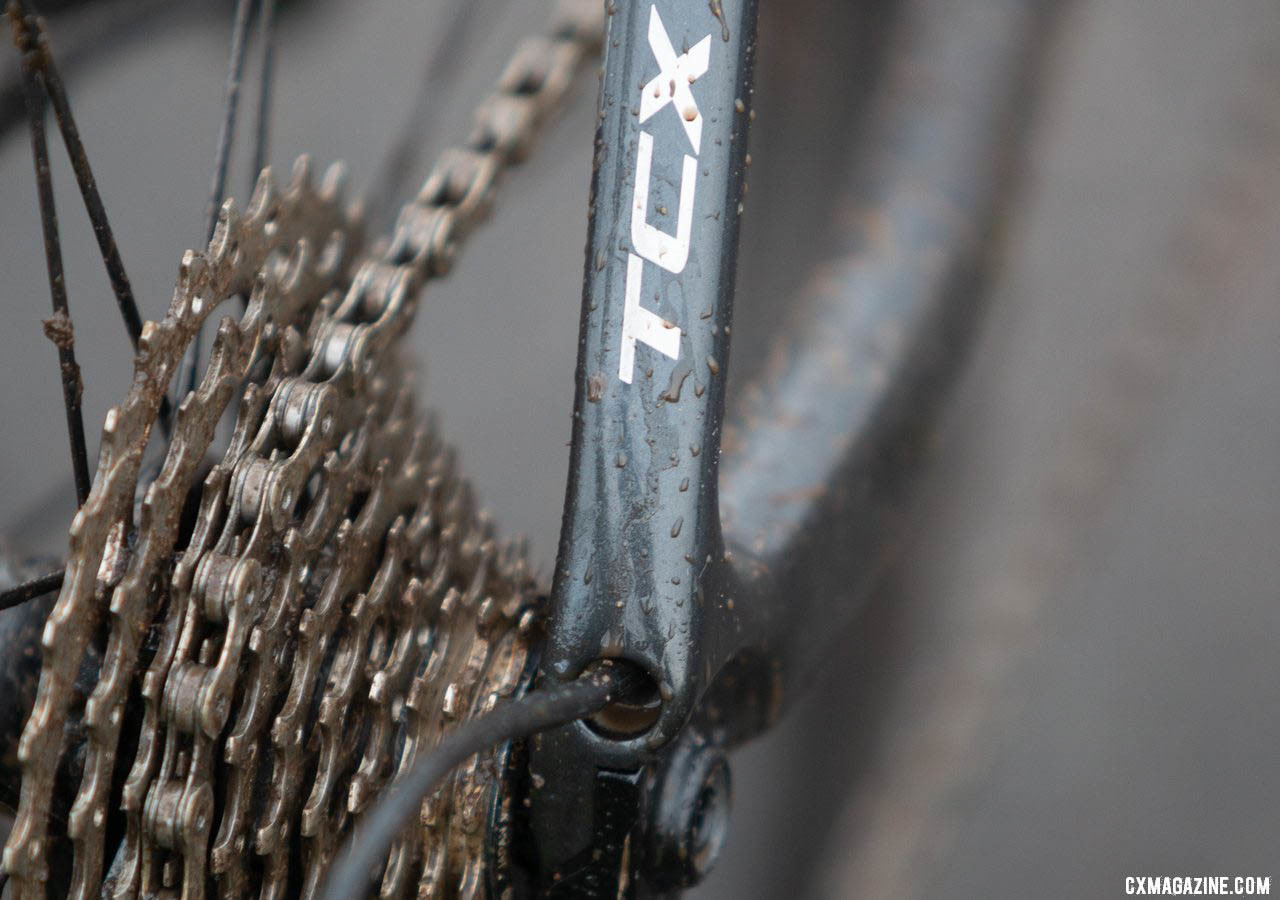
(726,624)
(824,441)
(641,574)
(640,542)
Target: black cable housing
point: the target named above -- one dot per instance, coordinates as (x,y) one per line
(536,711)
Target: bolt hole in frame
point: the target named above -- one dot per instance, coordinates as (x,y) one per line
(724,582)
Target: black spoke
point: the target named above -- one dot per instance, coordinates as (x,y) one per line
(30,590)
(120,285)
(230,101)
(438,76)
(59,328)
(222,159)
(536,711)
(262,131)
(94,30)
(89,191)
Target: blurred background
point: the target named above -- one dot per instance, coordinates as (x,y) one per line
(1070,674)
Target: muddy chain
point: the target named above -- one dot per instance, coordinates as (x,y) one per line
(334,605)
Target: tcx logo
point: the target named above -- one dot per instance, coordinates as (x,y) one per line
(671,86)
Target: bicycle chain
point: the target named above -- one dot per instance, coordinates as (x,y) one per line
(339,604)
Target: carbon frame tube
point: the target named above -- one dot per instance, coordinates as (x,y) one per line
(727,623)
(640,571)
(825,438)
(822,444)
(641,574)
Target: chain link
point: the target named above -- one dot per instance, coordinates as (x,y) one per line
(339,604)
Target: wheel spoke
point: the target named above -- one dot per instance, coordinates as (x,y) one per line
(230,101)
(56,92)
(59,328)
(89,191)
(438,77)
(262,132)
(30,590)
(222,158)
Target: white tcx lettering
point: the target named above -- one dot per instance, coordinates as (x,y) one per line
(670,251)
(671,84)
(639,324)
